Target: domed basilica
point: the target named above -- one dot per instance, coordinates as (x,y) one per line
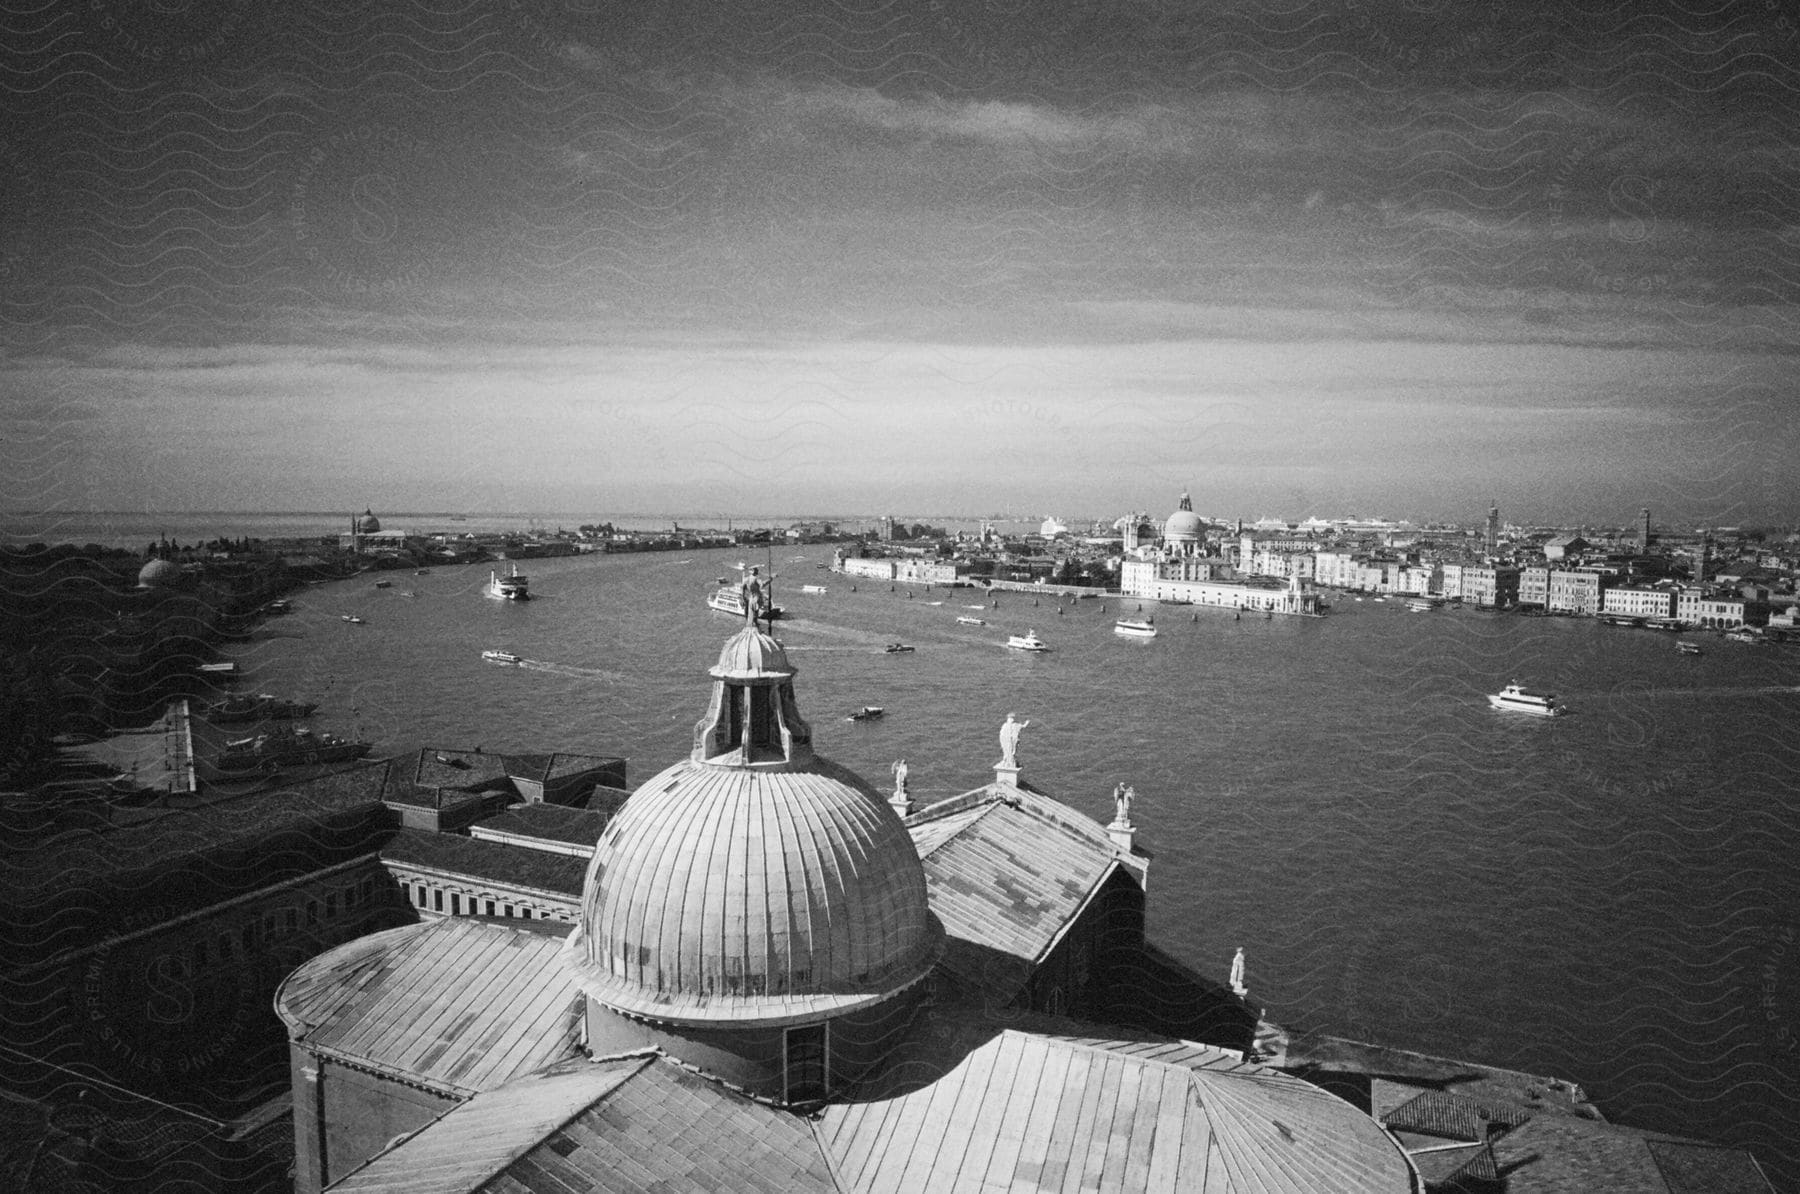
(781,979)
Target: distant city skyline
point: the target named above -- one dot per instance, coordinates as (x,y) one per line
(1406,256)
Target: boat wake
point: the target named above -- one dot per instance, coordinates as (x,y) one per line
(564,669)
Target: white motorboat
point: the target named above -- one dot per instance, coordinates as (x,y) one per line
(500,657)
(1029,641)
(1134,628)
(1523,700)
(971,621)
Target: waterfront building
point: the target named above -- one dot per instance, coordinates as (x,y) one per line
(1639,601)
(1488,586)
(1534,586)
(1710,609)
(873,569)
(1575,590)
(1335,569)
(928,572)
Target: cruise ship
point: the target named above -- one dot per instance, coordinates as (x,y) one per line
(511,587)
(1523,700)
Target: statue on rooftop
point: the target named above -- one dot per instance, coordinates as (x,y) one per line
(1237,974)
(754,598)
(899,770)
(1009,740)
(1122,798)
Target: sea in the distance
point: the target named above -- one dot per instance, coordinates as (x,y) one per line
(1607,897)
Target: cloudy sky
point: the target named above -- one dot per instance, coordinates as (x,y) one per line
(1393,257)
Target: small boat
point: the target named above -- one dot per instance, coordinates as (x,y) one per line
(219,669)
(934,603)
(971,621)
(982,606)
(1029,641)
(1134,628)
(284,748)
(279,606)
(1687,648)
(812,588)
(500,657)
(1521,700)
(253,708)
(866,713)
(896,648)
(1421,605)
(1743,635)
(352,619)
(384,584)
(1381,598)
(409,592)
(421,571)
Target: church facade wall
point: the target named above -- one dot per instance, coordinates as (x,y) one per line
(1072,978)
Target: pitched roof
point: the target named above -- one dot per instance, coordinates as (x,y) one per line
(1009,869)
(622,1124)
(473,1143)
(1562,1154)
(457,1004)
(495,862)
(971,1103)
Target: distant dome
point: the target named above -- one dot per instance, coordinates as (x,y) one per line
(158,573)
(752,883)
(1184,526)
(368,524)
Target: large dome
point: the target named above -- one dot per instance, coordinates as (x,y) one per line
(752,883)
(368,524)
(1184,526)
(158,574)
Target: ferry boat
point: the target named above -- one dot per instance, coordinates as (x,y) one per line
(1522,700)
(1686,647)
(866,713)
(971,621)
(500,657)
(511,587)
(1029,641)
(288,748)
(896,648)
(1674,624)
(243,707)
(1135,627)
(729,599)
(1622,620)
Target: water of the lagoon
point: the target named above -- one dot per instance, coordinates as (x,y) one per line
(1605,897)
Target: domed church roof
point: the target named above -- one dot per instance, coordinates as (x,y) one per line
(368,524)
(752,883)
(1184,526)
(158,573)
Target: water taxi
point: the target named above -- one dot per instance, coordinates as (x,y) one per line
(352,619)
(896,648)
(971,621)
(1743,635)
(1522,700)
(812,588)
(384,584)
(219,669)
(1686,647)
(1134,627)
(1029,641)
(866,713)
(500,657)
(279,606)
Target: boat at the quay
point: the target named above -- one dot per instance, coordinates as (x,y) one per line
(1568,896)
